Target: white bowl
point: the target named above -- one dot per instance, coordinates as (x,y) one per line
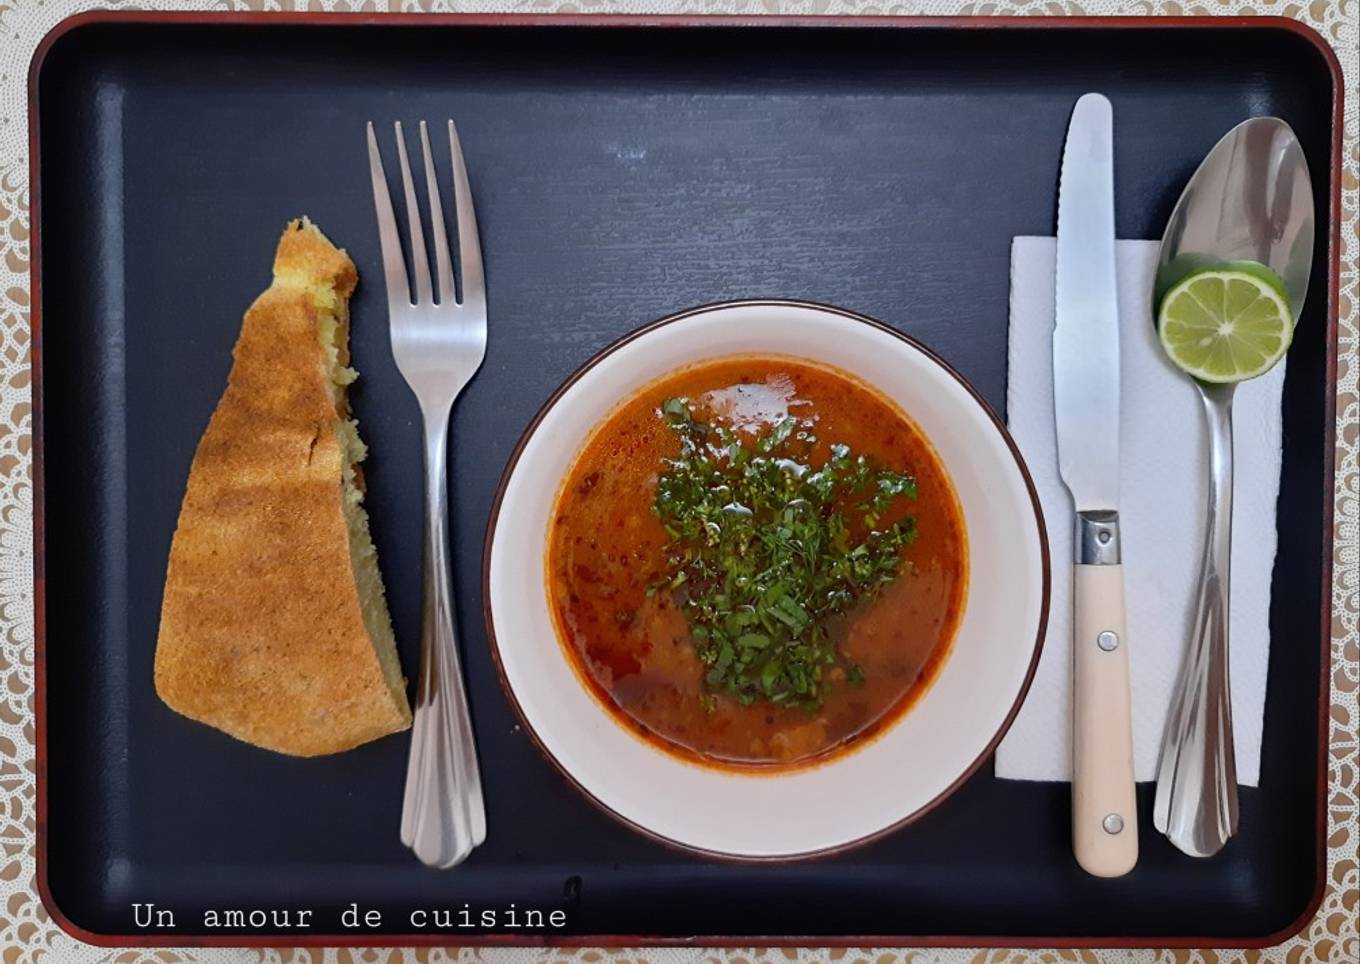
(915,762)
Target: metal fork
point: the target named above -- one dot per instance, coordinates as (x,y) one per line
(438,346)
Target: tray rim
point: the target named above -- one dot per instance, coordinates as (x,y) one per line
(258,18)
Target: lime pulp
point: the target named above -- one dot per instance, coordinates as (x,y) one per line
(1227,323)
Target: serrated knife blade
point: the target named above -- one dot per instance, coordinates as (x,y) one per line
(1086,328)
(1086,410)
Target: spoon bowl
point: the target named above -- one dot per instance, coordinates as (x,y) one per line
(1250,200)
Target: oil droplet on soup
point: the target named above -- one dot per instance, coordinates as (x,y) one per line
(630,632)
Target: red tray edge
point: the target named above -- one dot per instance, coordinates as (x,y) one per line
(253,18)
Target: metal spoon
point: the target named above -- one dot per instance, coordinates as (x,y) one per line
(1251,199)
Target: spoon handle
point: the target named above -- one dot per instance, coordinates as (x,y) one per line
(1196,803)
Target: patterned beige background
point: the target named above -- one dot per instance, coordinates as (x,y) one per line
(26,933)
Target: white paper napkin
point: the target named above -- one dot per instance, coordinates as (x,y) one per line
(1163,477)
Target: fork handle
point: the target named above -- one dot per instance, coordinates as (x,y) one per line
(443,817)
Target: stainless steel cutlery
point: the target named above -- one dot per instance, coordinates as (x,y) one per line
(438,341)
(1086,401)
(1250,200)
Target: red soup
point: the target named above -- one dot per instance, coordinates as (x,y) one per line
(757,562)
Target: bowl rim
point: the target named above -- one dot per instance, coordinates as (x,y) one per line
(846,846)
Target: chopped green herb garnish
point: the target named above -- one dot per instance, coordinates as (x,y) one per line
(766,547)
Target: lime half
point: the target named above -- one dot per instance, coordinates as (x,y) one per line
(1226,324)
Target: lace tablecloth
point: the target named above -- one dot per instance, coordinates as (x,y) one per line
(26,932)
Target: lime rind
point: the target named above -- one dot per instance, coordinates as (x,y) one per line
(1226,324)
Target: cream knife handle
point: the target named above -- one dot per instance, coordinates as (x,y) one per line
(1104,809)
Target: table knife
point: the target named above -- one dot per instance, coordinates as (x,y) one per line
(1086,403)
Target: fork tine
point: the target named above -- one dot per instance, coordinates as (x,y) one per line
(440,230)
(394,268)
(420,262)
(469,245)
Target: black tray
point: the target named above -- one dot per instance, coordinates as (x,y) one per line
(623,169)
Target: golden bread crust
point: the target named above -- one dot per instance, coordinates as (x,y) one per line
(262,633)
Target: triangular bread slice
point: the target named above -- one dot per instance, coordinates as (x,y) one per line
(274,626)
